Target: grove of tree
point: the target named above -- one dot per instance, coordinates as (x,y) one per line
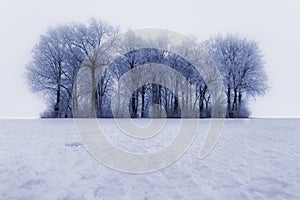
(67,51)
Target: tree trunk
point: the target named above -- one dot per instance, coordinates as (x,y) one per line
(230,114)
(93,103)
(58,93)
(143,101)
(133,105)
(234,107)
(176,103)
(240,100)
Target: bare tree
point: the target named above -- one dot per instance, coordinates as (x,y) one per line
(98,40)
(45,71)
(58,56)
(240,62)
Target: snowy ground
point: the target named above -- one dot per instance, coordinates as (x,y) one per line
(254,159)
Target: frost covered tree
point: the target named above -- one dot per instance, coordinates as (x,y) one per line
(131,43)
(240,61)
(45,71)
(98,41)
(57,59)
(196,94)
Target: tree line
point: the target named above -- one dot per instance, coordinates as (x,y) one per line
(61,53)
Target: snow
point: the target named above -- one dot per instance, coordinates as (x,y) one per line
(253,159)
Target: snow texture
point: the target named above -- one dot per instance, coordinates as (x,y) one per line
(254,159)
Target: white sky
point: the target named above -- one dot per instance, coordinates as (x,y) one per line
(274,24)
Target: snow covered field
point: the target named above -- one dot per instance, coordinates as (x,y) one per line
(253,159)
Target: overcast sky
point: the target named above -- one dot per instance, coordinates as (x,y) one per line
(275,25)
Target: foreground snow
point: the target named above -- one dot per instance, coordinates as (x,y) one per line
(254,159)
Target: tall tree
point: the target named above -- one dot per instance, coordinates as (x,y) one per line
(57,59)
(241,63)
(45,71)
